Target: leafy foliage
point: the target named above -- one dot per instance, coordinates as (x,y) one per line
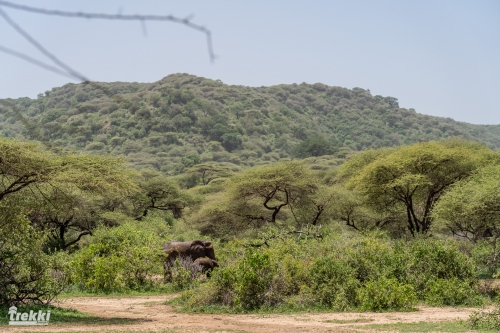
(161,193)
(27,273)
(273,196)
(368,272)
(452,292)
(334,283)
(46,197)
(64,194)
(387,294)
(471,207)
(484,319)
(409,180)
(184,273)
(123,258)
(209,171)
(314,146)
(156,125)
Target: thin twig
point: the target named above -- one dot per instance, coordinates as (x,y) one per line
(280,235)
(34,61)
(42,49)
(185,21)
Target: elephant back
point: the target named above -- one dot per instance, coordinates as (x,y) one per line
(192,249)
(174,248)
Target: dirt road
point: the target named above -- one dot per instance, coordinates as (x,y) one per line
(152,315)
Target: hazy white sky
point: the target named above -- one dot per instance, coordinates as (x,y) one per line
(439,57)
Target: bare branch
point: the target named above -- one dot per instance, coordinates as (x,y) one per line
(34,61)
(185,21)
(40,48)
(280,235)
(84,233)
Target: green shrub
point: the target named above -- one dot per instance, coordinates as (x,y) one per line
(452,292)
(27,273)
(257,278)
(485,256)
(372,257)
(333,283)
(291,275)
(485,320)
(224,279)
(424,261)
(340,272)
(184,273)
(253,277)
(117,259)
(98,273)
(387,294)
(95,146)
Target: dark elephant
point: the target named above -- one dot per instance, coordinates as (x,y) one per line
(191,250)
(206,264)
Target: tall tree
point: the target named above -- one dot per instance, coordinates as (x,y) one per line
(411,179)
(315,146)
(471,207)
(209,171)
(59,192)
(24,164)
(283,196)
(161,193)
(261,195)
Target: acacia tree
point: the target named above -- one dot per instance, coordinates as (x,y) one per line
(60,193)
(26,172)
(27,274)
(315,146)
(27,164)
(209,171)
(63,216)
(262,195)
(471,207)
(70,204)
(24,164)
(67,216)
(411,179)
(283,196)
(161,193)
(349,209)
(360,160)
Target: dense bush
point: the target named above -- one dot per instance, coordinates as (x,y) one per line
(27,273)
(452,292)
(252,280)
(184,273)
(426,261)
(333,283)
(485,320)
(387,294)
(340,272)
(127,257)
(485,256)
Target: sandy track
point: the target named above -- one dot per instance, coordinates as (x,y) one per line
(153,315)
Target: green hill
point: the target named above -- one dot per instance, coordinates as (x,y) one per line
(184,120)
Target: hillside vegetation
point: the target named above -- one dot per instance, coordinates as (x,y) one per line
(184,120)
